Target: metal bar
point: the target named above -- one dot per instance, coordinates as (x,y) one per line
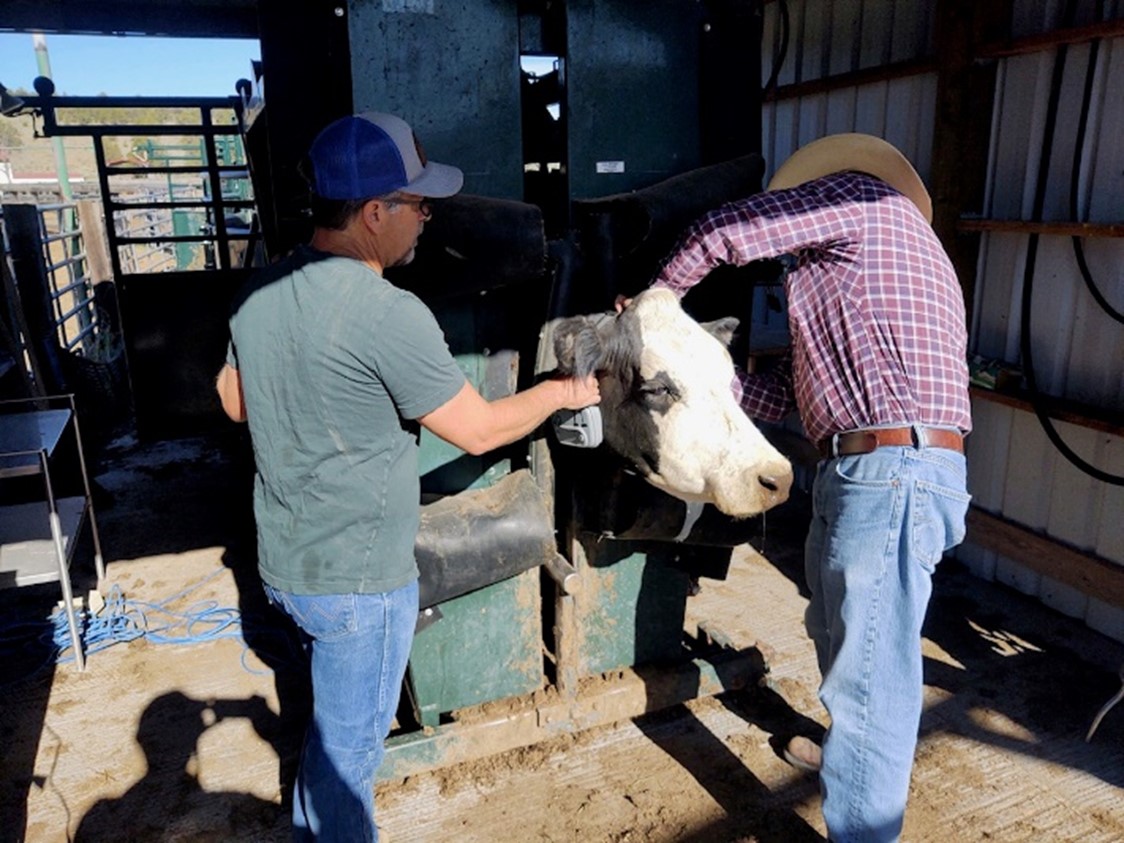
(90,131)
(193,168)
(107,210)
(81,281)
(99,564)
(81,335)
(167,206)
(216,197)
(232,102)
(78,258)
(563,573)
(82,305)
(179,238)
(64,234)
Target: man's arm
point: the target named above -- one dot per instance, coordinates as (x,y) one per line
(229,387)
(769,396)
(765,225)
(476,426)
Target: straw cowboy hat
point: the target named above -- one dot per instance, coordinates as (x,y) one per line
(865,153)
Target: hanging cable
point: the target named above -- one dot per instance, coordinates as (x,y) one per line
(782,52)
(1036,396)
(1079,147)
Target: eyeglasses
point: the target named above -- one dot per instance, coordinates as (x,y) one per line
(423,206)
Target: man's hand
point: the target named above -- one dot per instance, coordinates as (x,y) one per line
(580,392)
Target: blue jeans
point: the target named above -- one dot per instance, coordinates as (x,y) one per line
(358,645)
(880,524)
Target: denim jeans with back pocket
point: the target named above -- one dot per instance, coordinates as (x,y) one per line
(881,522)
(358,645)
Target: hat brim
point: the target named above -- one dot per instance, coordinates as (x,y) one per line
(437,181)
(854,151)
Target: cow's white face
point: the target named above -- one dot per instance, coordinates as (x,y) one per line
(667,406)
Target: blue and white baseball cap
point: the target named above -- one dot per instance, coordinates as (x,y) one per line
(374,154)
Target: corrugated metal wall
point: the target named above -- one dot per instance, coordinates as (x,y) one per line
(831,37)
(1078,350)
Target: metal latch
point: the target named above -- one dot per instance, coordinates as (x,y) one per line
(578,428)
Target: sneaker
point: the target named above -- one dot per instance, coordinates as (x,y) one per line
(804,754)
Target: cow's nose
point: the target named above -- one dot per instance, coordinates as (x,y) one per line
(777,484)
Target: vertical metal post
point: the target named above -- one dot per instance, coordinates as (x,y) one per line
(223,245)
(64,567)
(44,63)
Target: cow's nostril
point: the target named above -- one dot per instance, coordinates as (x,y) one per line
(768,482)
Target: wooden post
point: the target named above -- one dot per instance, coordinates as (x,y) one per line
(962,131)
(92,226)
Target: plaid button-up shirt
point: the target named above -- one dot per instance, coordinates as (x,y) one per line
(875,310)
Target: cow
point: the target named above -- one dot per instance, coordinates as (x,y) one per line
(667,407)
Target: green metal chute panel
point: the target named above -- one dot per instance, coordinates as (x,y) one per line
(445,468)
(631,609)
(487,646)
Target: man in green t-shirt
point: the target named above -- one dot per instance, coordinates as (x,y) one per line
(334,368)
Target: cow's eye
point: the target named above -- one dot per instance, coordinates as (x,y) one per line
(658,393)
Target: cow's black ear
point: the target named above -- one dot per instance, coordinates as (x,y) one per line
(577,346)
(722,329)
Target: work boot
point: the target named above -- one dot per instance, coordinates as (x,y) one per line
(804,754)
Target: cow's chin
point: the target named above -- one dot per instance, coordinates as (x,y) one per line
(735,500)
(745,506)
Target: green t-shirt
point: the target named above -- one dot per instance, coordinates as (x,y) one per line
(335,362)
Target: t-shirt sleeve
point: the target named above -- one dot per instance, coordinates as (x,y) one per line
(413,359)
(231,355)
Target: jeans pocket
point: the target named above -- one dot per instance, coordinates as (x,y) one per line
(321,616)
(937,522)
(875,471)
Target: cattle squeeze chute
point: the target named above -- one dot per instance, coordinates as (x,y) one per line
(555,579)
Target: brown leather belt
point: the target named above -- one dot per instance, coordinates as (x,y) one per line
(865,441)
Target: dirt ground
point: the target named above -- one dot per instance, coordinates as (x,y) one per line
(196,741)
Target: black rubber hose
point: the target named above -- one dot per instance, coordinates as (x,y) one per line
(1036,397)
(781,53)
(1078,244)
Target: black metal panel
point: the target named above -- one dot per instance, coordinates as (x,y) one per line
(730,80)
(632,91)
(451,70)
(183,18)
(307,80)
(176,335)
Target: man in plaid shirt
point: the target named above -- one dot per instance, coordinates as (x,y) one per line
(878,373)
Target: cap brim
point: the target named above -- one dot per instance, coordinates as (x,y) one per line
(437,181)
(854,151)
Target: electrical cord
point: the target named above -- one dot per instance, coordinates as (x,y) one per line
(1036,396)
(122,620)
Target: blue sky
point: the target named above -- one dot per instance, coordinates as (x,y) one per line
(87,65)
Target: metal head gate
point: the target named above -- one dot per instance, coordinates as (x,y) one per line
(181,229)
